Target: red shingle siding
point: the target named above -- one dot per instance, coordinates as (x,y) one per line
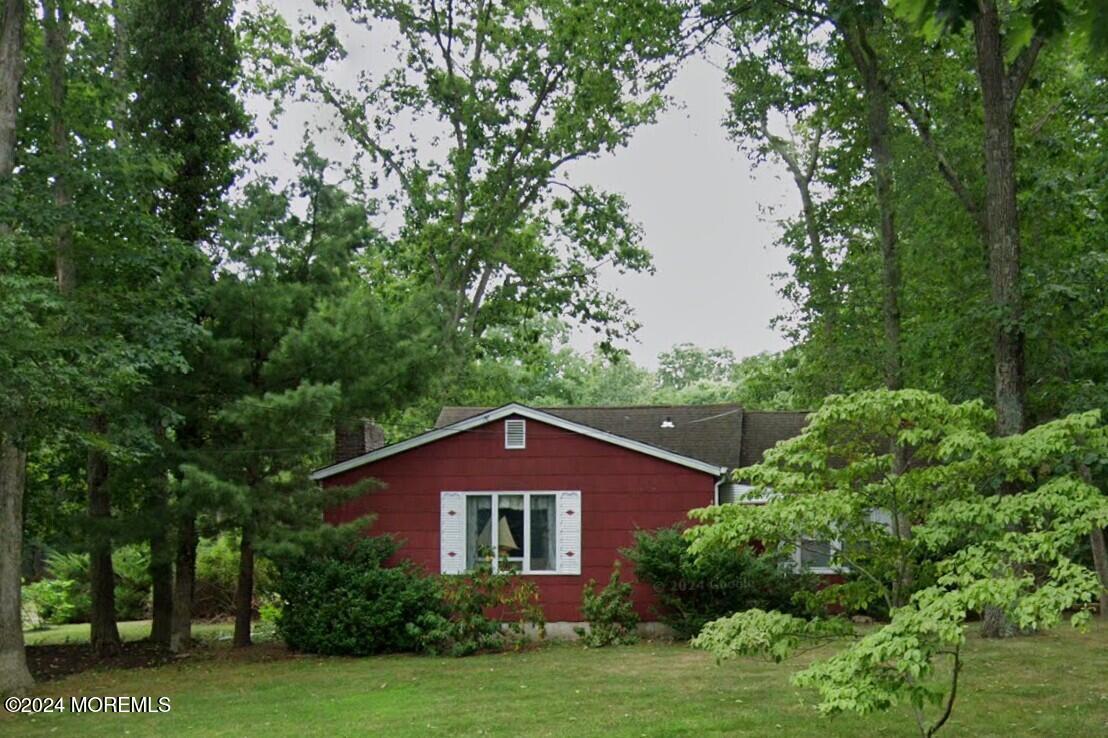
(621,490)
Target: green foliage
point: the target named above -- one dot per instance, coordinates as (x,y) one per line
(185,65)
(518,92)
(995,521)
(484,611)
(693,590)
(828,482)
(610,613)
(351,604)
(217,571)
(773,634)
(64,595)
(58,601)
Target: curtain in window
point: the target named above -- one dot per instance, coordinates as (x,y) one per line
(543,529)
(510,534)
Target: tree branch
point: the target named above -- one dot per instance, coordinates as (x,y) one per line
(920,121)
(358,130)
(956,653)
(1020,72)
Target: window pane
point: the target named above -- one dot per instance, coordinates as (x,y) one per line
(542,532)
(510,531)
(478,529)
(815,554)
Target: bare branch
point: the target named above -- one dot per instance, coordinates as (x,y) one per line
(956,654)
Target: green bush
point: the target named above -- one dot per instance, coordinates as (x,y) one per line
(57,601)
(695,590)
(483,611)
(611,615)
(349,603)
(65,595)
(133,586)
(217,572)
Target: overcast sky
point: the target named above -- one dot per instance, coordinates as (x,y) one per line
(699,200)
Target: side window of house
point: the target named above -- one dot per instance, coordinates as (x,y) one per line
(814,554)
(528,532)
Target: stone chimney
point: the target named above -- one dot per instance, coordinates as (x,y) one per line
(354,438)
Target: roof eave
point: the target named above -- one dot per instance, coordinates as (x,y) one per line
(531,414)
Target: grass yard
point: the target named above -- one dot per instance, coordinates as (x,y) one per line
(57,635)
(1047,685)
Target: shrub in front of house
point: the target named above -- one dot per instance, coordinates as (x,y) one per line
(482,611)
(694,590)
(610,613)
(350,603)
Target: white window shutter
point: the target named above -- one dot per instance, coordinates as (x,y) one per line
(452,533)
(569,532)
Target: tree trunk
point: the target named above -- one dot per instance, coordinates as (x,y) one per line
(14,676)
(104,635)
(244,595)
(184,584)
(11,76)
(56,23)
(1003,242)
(161,576)
(1100,563)
(1001,220)
(878,106)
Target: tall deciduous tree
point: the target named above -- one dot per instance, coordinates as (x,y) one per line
(1007,45)
(514,94)
(832,479)
(14,676)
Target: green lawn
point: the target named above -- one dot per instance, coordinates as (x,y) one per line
(52,635)
(1052,684)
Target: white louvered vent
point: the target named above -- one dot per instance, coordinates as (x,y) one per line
(452,533)
(515,434)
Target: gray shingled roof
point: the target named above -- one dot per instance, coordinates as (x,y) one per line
(724,435)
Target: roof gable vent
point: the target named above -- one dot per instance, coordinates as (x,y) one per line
(515,434)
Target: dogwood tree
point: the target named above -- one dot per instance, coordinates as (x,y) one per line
(965,544)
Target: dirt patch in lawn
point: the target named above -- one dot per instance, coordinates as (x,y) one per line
(51,662)
(56,661)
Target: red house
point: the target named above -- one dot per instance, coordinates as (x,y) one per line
(556,491)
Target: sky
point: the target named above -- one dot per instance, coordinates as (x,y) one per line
(702,205)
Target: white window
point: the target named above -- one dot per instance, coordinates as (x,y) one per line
(515,434)
(814,554)
(528,532)
(744,494)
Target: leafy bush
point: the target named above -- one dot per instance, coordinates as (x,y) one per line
(65,595)
(57,601)
(349,603)
(217,571)
(484,611)
(612,617)
(696,590)
(133,586)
